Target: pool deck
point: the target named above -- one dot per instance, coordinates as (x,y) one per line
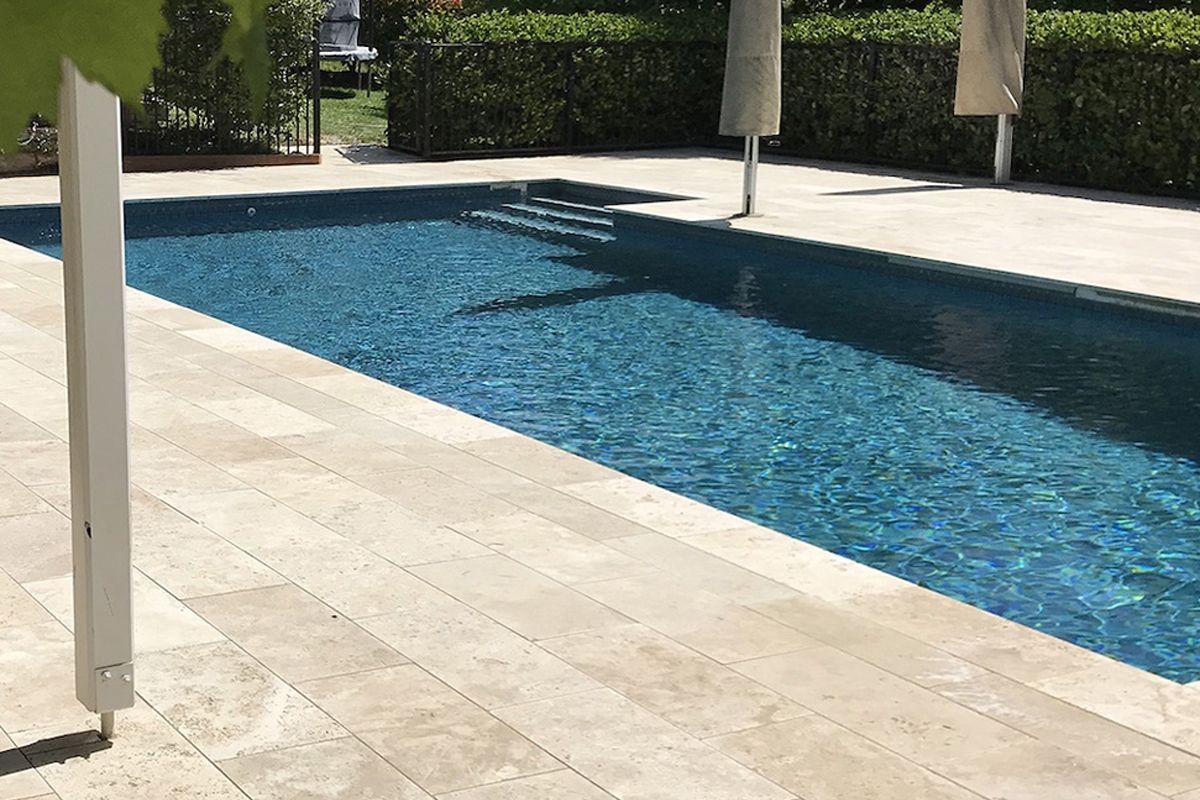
(344,590)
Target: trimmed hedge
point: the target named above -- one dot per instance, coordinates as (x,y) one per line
(1112,101)
(1157,31)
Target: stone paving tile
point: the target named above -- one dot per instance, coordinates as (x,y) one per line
(633,753)
(36,546)
(222,443)
(689,565)
(293,634)
(160,621)
(346,453)
(462,466)
(228,338)
(36,462)
(796,564)
(156,409)
(696,693)
(570,512)
(228,704)
(339,572)
(377,429)
(17,606)
(561,785)
(187,559)
(363,392)
(818,760)
(303,485)
(15,427)
(1033,770)
(58,495)
(427,730)
(1144,760)
(655,508)
(448,425)
(983,639)
(537,461)
(165,470)
(37,663)
(719,628)
(901,716)
(383,527)
(473,653)
(340,769)
(436,496)
(529,603)
(18,778)
(16,499)
(552,549)
(148,760)
(902,655)
(36,397)
(285,388)
(1146,703)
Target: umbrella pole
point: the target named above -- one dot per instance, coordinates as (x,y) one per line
(89,141)
(750,176)
(1004,146)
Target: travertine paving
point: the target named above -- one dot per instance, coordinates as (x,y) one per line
(347,591)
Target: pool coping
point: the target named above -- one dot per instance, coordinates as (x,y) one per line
(1130,697)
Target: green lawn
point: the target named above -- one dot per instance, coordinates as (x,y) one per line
(348,116)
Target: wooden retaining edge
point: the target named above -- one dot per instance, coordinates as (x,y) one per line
(182,163)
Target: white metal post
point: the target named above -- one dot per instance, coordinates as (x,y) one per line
(1004,148)
(93,236)
(750,176)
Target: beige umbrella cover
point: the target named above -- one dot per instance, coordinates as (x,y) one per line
(991,60)
(750,99)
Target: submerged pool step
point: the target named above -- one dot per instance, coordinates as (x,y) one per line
(580,216)
(542,224)
(577,211)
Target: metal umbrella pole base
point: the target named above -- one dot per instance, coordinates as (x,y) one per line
(1004,149)
(750,177)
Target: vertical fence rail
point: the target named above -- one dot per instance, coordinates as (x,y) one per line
(569,127)
(425,100)
(316,90)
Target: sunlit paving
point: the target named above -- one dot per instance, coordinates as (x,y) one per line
(488,400)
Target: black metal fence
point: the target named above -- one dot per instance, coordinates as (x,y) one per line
(182,114)
(1126,119)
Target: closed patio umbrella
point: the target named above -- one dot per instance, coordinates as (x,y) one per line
(750,99)
(991,69)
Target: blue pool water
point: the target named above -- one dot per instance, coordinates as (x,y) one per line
(1037,460)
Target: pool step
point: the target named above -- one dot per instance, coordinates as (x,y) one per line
(542,224)
(576,217)
(578,212)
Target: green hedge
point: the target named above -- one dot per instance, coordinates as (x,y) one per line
(1165,31)
(1112,101)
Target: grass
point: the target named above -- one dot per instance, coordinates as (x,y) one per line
(348,116)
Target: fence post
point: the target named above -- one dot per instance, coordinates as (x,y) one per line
(425,88)
(569,100)
(873,93)
(316,90)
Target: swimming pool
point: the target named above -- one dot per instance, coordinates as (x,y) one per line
(1039,460)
